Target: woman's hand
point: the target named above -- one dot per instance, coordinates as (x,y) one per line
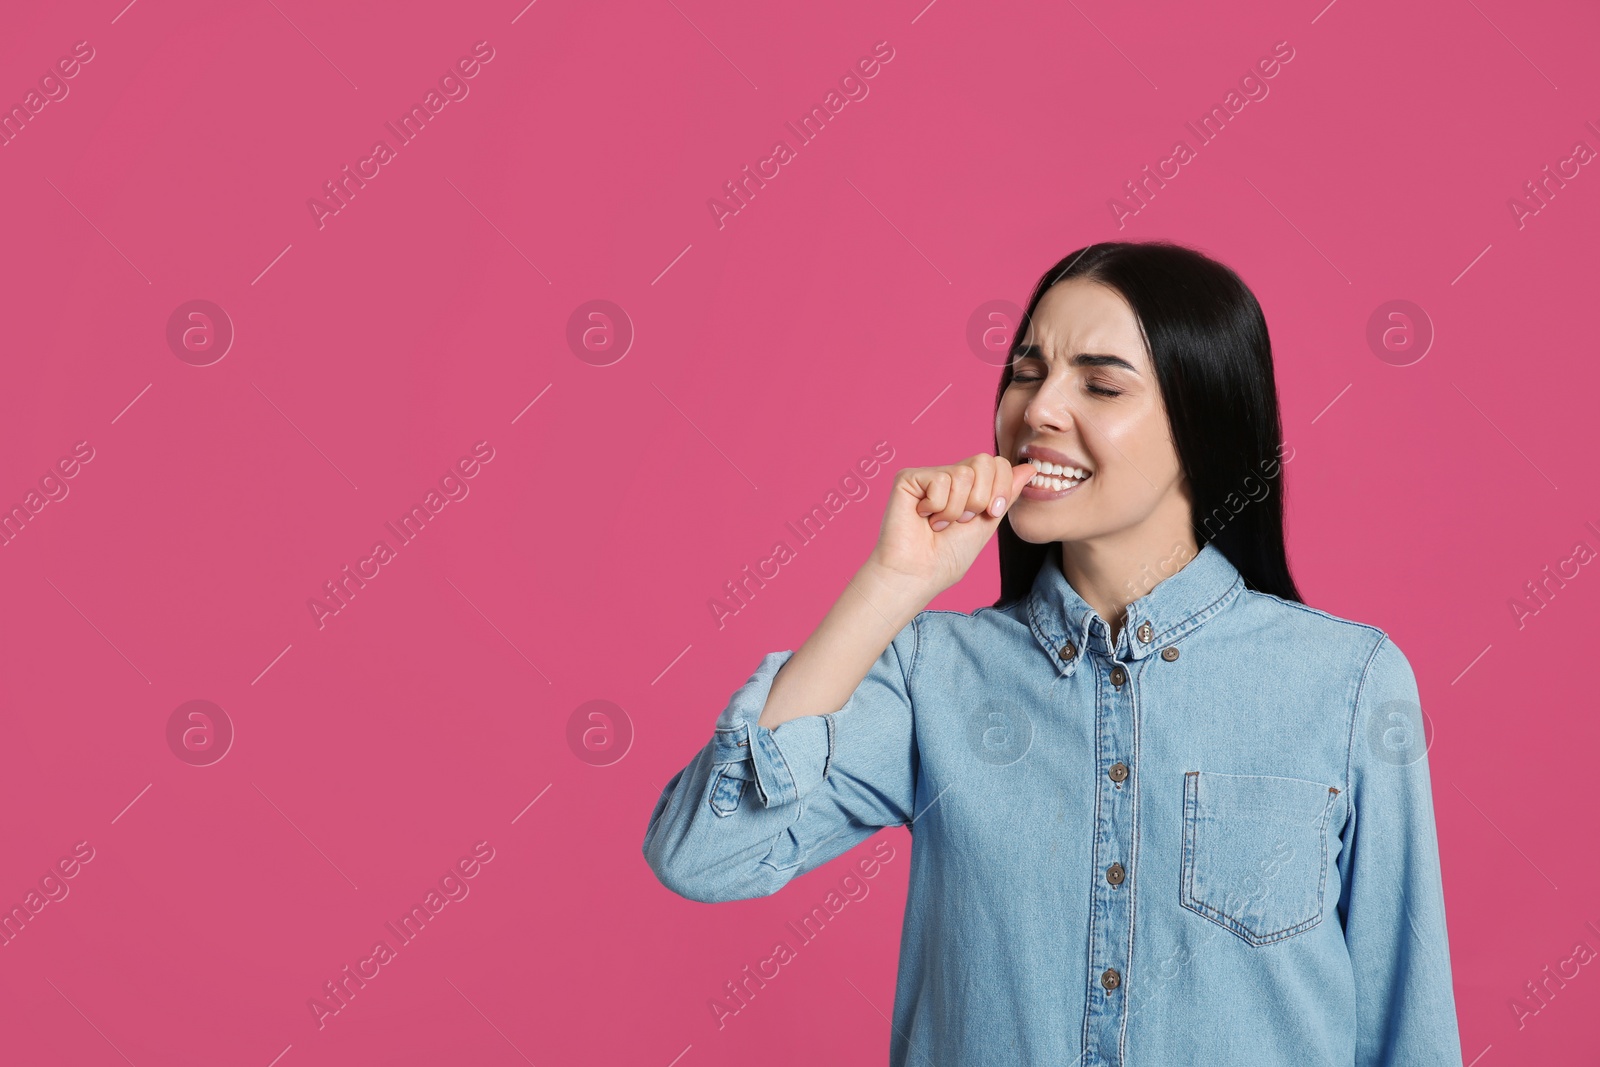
(912,563)
(939,518)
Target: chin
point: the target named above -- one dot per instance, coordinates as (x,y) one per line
(1037,532)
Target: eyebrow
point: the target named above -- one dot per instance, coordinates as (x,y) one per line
(1082,359)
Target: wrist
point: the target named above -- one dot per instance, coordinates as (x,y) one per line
(896,595)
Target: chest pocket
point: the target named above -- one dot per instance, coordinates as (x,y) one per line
(1255,852)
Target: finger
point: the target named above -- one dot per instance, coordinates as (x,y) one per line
(1000,491)
(961,478)
(982,485)
(1019,478)
(935,484)
(913,482)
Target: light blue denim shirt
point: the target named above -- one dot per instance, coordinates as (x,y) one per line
(1210,844)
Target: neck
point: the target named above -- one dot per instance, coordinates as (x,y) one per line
(1112,572)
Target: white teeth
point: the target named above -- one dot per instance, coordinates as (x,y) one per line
(1045,467)
(1053,483)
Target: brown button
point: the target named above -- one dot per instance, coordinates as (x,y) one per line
(1146,632)
(1118,676)
(1118,772)
(1115,874)
(1169,653)
(1068,650)
(1111,979)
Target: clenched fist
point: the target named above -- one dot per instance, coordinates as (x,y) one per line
(939,518)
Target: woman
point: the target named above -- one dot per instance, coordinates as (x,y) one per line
(1162,811)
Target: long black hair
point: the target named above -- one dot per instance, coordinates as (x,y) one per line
(1213,362)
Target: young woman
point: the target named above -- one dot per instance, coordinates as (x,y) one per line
(1162,812)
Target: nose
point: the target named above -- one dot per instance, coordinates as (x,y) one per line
(1048,410)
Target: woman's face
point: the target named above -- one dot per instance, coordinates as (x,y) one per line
(1083,393)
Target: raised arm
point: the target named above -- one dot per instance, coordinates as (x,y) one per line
(816,751)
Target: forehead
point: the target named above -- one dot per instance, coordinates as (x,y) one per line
(1079,315)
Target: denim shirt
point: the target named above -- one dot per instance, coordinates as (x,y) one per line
(1212,842)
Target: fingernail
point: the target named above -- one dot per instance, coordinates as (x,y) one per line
(998,508)
(941,524)
(966,516)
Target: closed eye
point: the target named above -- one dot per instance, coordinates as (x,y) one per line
(1098,390)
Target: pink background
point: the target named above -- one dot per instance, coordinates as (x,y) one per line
(770,355)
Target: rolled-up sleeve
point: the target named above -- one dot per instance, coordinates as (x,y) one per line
(1392,898)
(757,807)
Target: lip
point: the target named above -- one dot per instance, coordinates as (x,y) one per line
(1033,492)
(1050,455)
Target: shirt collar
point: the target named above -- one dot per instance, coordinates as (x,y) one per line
(1066,625)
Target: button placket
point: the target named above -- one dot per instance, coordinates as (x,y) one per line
(1111,908)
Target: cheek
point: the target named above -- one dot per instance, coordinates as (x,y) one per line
(1005,422)
(1143,440)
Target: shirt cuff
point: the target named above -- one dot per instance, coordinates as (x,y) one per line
(786,762)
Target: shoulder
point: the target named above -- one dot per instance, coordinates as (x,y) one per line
(1303,630)
(942,621)
(975,634)
(1363,661)
(1356,663)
